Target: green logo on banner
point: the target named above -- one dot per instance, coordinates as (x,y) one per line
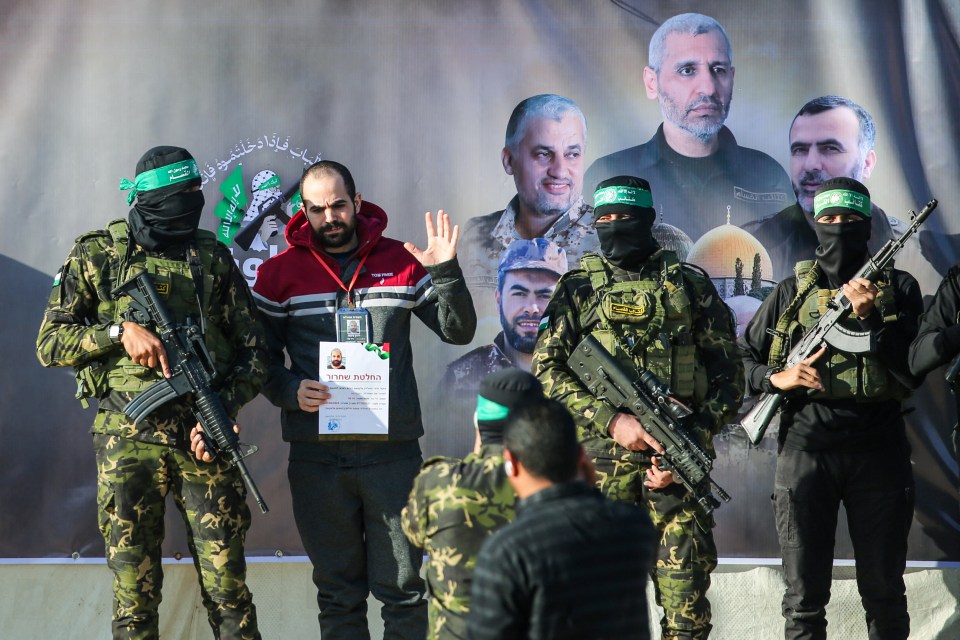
(230,209)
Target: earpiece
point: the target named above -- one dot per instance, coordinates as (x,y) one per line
(508,467)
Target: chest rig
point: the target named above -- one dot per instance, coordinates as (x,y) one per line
(647,322)
(844,375)
(186,287)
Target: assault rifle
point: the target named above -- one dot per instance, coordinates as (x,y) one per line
(828,329)
(660,414)
(244,237)
(193,372)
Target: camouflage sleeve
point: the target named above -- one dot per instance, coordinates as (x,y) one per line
(71,332)
(413,518)
(240,323)
(560,333)
(714,334)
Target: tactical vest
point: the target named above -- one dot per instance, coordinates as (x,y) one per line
(648,323)
(843,375)
(175,284)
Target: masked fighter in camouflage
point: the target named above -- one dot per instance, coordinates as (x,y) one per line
(455,505)
(138,464)
(648,310)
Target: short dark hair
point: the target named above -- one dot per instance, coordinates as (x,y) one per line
(867,137)
(543,437)
(326,167)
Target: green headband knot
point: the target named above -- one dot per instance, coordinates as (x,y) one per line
(488,410)
(160,177)
(844,198)
(623,195)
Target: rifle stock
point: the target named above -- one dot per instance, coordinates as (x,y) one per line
(827,329)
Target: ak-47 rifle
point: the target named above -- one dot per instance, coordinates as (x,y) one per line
(828,329)
(664,417)
(193,372)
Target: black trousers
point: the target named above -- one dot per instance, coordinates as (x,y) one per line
(877,490)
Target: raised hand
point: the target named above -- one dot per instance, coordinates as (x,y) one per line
(441,241)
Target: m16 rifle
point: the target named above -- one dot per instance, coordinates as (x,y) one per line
(828,329)
(193,373)
(652,402)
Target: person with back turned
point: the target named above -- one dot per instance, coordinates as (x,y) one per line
(573,564)
(457,504)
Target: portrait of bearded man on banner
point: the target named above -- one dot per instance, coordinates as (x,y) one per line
(526,277)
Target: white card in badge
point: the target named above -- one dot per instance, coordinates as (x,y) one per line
(353,325)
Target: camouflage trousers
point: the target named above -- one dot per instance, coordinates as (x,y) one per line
(132,484)
(686,555)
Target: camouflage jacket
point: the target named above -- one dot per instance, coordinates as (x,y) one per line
(454,506)
(81,309)
(486,237)
(572,314)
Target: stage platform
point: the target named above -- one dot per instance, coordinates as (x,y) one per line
(52,599)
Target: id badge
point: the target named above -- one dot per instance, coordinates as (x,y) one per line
(353,325)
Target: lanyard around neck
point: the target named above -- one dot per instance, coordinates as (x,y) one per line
(346,287)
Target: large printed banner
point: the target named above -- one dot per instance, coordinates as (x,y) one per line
(415,99)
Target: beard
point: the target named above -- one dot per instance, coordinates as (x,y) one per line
(523,343)
(344,234)
(820,176)
(703,129)
(548,205)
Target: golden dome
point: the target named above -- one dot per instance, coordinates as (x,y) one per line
(718,249)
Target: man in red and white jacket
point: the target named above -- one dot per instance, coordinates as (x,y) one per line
(348,493)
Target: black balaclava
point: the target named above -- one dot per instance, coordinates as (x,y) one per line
(501,393)
(168,214)
(843,246)
(627,242)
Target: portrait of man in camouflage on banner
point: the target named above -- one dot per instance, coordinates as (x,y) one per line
(526,277)
(544,151)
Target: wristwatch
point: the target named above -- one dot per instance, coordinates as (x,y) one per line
(766,386)
(115,332)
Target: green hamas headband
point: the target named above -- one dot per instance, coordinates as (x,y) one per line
(623,195)
(824,203)
(160,177)
(488,410)
(272,182)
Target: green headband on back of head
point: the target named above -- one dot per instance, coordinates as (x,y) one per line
(855,201)
(623,195)
(488,410)
(160,177)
